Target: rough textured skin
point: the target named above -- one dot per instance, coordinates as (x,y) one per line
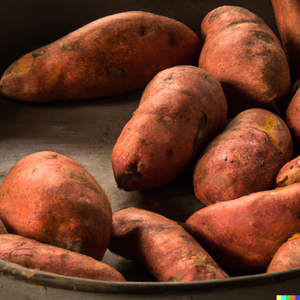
(289,173)
(245,158)
(246,232)
(243,53)
(180,111)
(112,55)
(50,198)
(162,246)
(287,257)
(35,255)
(287,15)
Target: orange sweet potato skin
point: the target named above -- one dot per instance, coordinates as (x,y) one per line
(243,53)
(180,111)
(287,257)
(254,145)
(246,232)
(50,198)
(112,55)
(162,246)
(35,255)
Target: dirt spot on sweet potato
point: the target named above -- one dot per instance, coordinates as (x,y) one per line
(36,54)
(201,130)
(215,14)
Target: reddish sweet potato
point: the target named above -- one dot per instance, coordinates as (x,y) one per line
(246,232)
(289,173)
(35,255)
(180,111)
(49,197)
(112,55)
(287,257)
(243,159)
(287,15)
(162,246)
(243,53)
(292,116)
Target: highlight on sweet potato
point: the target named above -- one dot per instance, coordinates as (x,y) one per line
(38,256)
(246,232)
(245,55)
(245,158)
(180,111)
(115,54)
(50,198)
(287,257)
(289,173)
(162,246)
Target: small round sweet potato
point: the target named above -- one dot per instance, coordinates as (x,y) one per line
(113,55)
(50,198)
(35,255)
(243,53)
(244,158)
(180,111)
(162,246)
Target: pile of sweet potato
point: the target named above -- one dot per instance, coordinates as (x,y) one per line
(219,101)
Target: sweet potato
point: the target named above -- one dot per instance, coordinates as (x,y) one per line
(292,117)
(180,111)
(35,255)
(287,15)
(245,55)
(50,198)
(244,158)
(246,232)
(110,56)
(289,173)
(287,257)
(162,246)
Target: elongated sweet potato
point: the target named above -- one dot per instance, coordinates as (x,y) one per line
(162,246)
(243,53)
(49,197)
(287,15)
(35,255)
(244,158)
(287,257)
(246,232)
(112,55)
(180,111)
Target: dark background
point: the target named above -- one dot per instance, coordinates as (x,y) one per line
(28,24)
